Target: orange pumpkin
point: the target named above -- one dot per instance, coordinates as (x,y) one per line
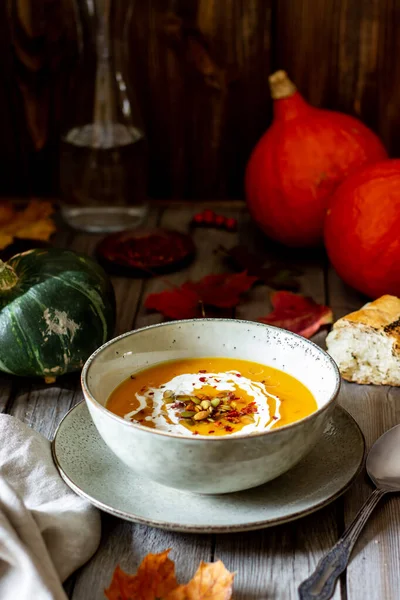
(362,229)
(298,163)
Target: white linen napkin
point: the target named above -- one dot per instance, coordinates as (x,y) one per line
(46,530)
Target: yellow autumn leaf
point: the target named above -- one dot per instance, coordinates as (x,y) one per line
(212,581)
(34,222)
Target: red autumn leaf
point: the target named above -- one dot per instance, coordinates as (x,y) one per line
(221,291)
(177,303)
(297,313)
(155,578)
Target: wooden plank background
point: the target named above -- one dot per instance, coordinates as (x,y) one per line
(200,70)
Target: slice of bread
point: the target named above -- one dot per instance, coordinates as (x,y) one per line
(366,344)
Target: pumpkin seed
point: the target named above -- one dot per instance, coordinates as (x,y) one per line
(205,404)
(211,420)
(201,415)
(225,408)
(210,409)
(197,408)
(195,400)
(184,398)
(168,397)
(188,413)
(215,402)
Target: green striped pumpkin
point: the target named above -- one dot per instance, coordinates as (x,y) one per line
(56,308)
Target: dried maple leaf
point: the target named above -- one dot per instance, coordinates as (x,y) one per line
(212,581)
(297,313)
(155,578)
(184,302)
(276,275)
(177,303)
(34,222)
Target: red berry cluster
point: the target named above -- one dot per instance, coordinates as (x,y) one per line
(208,218)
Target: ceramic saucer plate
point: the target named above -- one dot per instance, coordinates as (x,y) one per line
(94,472)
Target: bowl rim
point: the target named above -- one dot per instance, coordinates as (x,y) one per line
(194,438)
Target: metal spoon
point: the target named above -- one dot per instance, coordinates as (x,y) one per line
(383,467)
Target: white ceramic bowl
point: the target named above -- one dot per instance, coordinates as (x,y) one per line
(209,465)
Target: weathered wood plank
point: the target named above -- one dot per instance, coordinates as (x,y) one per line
(272,563)
(126,544)
(374,569)
(42,406)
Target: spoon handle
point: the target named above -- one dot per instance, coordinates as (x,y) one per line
(321,584)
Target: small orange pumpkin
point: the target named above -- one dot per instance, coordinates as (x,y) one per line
(299,162)
(362,229)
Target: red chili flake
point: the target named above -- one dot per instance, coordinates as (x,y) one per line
(232,419)
(228,428)
(202,371)
(195,433)
(233,413)
(217,380)
(203,379)
(238,374)
(151,393)
(275,418)
(250,408)
(212,431)
(144,388)
(133,377)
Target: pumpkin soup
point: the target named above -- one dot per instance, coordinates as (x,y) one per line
(211,396)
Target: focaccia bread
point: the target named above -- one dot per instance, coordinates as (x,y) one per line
(366,344)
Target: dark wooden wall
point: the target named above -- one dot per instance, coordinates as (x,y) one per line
(200,70)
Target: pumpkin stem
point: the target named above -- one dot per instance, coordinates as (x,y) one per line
(8,277)
(280,85)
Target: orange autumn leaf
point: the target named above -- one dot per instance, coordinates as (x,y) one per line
(155,578)
(212,581)
(34,222)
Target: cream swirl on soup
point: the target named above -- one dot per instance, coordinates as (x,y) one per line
(167,416)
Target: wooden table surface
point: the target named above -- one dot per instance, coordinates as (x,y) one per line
(269,563)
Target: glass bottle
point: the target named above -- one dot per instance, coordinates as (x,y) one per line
(103,174)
